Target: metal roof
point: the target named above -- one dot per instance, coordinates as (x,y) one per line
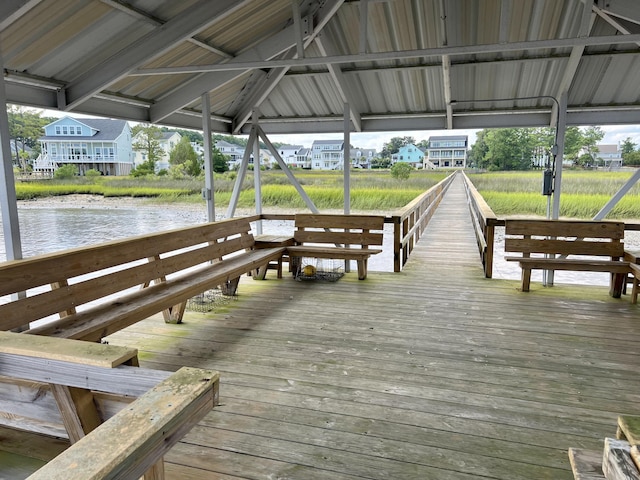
(398,64)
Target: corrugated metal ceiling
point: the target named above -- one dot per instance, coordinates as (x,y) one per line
(152,60)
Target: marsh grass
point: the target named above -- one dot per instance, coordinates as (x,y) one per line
(370,190)
(584,193)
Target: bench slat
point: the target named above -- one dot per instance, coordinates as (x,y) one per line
(346,238)
(107,318)
(578,265)
(562,247)
(575,228)
(61,266)
(138,436)
(85,353)
(331,252)
(312,220)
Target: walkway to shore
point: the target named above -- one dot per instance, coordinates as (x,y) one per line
(432,373)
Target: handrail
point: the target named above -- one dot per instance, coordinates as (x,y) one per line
(484,221)
(410,221)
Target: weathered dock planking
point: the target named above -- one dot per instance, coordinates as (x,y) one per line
(432,373)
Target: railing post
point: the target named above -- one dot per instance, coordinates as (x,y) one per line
(397,245)
(488,256)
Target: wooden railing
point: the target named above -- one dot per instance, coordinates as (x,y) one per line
(53,388)
(484,222)
(412,219)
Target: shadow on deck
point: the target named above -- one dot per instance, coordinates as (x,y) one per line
(432,373)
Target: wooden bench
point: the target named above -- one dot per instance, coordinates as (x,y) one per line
(83,392)
(586,239)
(619,460)
(340,237)
(100,289)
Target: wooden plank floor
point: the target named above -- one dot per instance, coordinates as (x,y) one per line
(432,373)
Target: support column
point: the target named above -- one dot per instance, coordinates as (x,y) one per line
(257,185)
(8,201)
(242,172)
(347,160)
(561,127)
(208,192)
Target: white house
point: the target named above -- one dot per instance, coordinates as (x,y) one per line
(327,154)
(293,155)
(231,150)
(362,157)
(167,142)
(89,143)
(447,152)
(610,156)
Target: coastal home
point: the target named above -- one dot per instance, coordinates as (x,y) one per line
(89,143)
(362,157)
(303,158)
(231,150)
(327,154)
(610,156)
(289,155)
(447,152)
(410,154)
(167,142)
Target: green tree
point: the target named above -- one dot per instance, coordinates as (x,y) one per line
(25,127)
(147,141)
(591,137)
(509,148)
(185,158)
(220,161)
(394,145)
(573,141)
(628,146)
(632,159)
(401,170)
(478,153)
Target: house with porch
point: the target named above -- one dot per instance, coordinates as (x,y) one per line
(167,141)
(327,154)
(448,151)
(89,144)
(410,154)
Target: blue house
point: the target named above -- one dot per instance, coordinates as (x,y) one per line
(89,143)
(409,154)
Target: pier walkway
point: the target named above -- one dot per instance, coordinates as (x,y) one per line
(432,373)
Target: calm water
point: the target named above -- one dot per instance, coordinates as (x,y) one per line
(47,230)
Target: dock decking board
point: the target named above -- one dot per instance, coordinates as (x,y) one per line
(434,372)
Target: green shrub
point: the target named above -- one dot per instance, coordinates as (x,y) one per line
(66,171)
(401,171)
(92,173)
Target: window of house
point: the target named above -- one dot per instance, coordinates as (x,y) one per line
(65,130)
(78,130)
(58,130)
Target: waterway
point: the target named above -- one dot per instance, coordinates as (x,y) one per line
(75,222)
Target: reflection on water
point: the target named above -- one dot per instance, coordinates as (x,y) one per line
(45,230)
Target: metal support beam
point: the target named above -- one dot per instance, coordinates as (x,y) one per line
(561,127)
(364,25)
(8,201)
(604,211)
(287,171)
(242,173)
(297,28)
(347,161)
(150,46)
(10,10)
(256,173)
(208,192)
(446,84)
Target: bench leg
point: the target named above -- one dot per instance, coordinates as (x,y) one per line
(294,265)
(260,273)
(634,290)
(175,313)
(617,279)
(526,279)
(229,289)
(362,269)
(156,472)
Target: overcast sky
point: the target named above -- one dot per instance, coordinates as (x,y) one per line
(614,135)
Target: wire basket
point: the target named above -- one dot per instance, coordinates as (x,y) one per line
(208,301)
(320,269)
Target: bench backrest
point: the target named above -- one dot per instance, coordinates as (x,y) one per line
(361,231)
(58,281)
(565,237)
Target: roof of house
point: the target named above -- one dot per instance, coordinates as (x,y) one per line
(329,142)
(608,148)
(108,130)
(448,137)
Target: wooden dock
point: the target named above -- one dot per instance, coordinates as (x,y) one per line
(432,373)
